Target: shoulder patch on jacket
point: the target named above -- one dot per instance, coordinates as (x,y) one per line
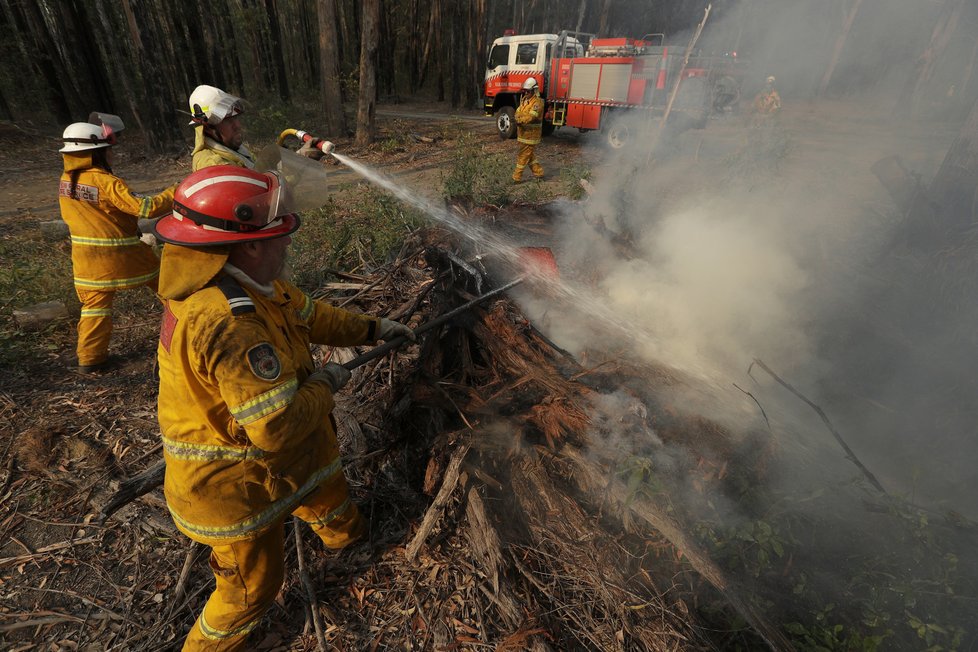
(238,299)
(264,361)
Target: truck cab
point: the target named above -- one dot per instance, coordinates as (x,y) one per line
(512,60)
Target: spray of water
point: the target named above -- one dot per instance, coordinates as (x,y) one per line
(597,309)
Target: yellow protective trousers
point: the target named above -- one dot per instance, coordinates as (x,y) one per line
(525,157)
(95,324)
(249,573)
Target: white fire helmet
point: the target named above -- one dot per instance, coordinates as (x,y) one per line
(210,105)
(530,84)
(770,79)
(82,136)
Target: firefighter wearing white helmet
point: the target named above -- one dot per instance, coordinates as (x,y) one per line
(248,432)
(529,130)
(219,133)
(106,252)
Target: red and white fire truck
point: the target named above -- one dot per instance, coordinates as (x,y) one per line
(597,83)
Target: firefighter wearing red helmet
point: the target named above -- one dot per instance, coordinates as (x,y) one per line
(529,130)
(248,435)
(102,215)
(219,133)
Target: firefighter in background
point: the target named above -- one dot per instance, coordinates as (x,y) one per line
(529,130)
(767,102)
(248,434)
(106,253)
(219,134)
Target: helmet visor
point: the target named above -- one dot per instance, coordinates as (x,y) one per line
(303,180)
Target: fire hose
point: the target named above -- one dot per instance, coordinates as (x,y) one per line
(305,137)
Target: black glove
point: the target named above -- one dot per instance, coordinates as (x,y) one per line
(390,329)
(334,375)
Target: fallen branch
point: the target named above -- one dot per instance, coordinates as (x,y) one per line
(828,424)
(317,620)
(593,479)
(134,487)
(433,514)
(40,552)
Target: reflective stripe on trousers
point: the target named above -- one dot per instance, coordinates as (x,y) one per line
(249,574)
(95,324)
(526,157)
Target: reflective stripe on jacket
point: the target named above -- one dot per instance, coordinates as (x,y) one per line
(208,152)
(529,120)
(245,435)
(102,216)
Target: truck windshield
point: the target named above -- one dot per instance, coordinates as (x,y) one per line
(526,53)
(498,56)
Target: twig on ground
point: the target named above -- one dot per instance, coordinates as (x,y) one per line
(306,581)
(828,424)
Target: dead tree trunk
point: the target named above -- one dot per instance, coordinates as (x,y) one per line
(914,91)
(840,44)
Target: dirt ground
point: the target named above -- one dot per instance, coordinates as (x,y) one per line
(69,583)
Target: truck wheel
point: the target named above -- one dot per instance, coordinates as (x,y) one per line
(617,135)
(506,122)
(548,128)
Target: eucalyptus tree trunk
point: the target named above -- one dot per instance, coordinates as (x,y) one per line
(275,50)
(329,69)
(840,44)
(367,105)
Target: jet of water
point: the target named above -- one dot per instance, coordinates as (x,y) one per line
(596,308)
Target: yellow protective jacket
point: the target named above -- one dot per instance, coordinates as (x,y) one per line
(102,216)
(208,152)
(529,120)
(767,102)
(245,435)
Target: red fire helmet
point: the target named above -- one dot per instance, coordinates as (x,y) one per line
(225,204)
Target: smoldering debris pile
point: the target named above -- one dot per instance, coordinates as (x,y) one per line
(520,526)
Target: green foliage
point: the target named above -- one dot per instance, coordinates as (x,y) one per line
(476,175)
(360,226)
(33,271)
(570,179)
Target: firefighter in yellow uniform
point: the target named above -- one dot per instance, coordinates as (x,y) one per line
(248,435)
(219,134)
(106,253)
(767,102)
(529,130)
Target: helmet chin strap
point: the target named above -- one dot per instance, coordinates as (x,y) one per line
(211,132)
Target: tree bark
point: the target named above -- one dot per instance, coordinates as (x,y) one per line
(162,133)
(367,105)
(605,18)
(329,69)
(840,44)
(275,50)
(26,16)
(913,94)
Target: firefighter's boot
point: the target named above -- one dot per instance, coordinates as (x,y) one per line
(537,169)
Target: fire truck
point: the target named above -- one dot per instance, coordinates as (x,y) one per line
(600,83)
